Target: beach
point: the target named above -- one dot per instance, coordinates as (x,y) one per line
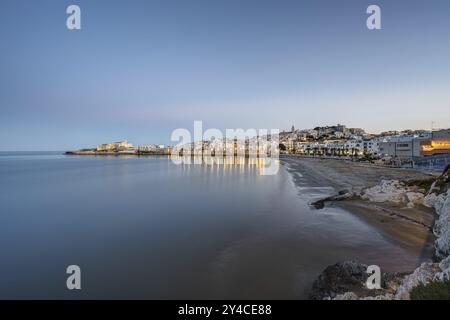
(409,227)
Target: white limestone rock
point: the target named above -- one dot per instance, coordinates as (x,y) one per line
(345,296)
(414,198)
(442,227)
(422,275)
(445,270)
(386,190)
(353,296)
(432,200)
(394,191)
(445,264)
(387,296)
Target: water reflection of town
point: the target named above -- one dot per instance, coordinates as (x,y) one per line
(226,163)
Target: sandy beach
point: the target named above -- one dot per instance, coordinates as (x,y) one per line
(409,227)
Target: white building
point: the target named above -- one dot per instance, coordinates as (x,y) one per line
(148,148)
(115,146)
(371,146)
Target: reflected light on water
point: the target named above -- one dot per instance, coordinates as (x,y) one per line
(262,164)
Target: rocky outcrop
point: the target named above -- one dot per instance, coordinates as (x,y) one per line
(414,198)
(439,198)
(441,203)
(346,280)
(442,226)
(386,191)
(432,199)
(394,191)
(422,275)
(441,229)
(352,296)
(444,275)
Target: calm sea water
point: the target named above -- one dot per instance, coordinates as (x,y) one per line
(147,228)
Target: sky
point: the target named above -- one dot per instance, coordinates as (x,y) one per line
(138,70)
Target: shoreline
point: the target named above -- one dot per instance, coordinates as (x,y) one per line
(412,210)
(411,228)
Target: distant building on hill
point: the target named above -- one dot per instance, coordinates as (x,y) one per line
(115,146)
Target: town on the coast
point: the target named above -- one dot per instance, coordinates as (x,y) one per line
(411,148)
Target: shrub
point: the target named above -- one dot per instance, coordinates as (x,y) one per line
(423,183)
(434,290)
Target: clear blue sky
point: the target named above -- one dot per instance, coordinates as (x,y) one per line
(139,69)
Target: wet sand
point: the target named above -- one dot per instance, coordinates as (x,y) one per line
(408,227)
(344,174)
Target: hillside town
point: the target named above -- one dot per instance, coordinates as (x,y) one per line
(400,148)
(410,148)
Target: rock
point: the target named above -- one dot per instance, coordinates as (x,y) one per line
(443,246)
(442,184)
(346,281)
(395,191)
(388,296)
(346,296)
(414,198)
(431,200)
(442,227)
(342,195)
(387,190)
(442,276)
(352,296)
(445,264)
(422,275)
(445,270)
(343,279)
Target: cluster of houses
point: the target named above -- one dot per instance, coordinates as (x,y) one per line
(334,141)
(124,147)
(250,146)
(342,141)
(120,146)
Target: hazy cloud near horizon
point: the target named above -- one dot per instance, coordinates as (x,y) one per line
(138,70)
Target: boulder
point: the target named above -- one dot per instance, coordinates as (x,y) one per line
(414,198)
(386,190)
(347,280)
